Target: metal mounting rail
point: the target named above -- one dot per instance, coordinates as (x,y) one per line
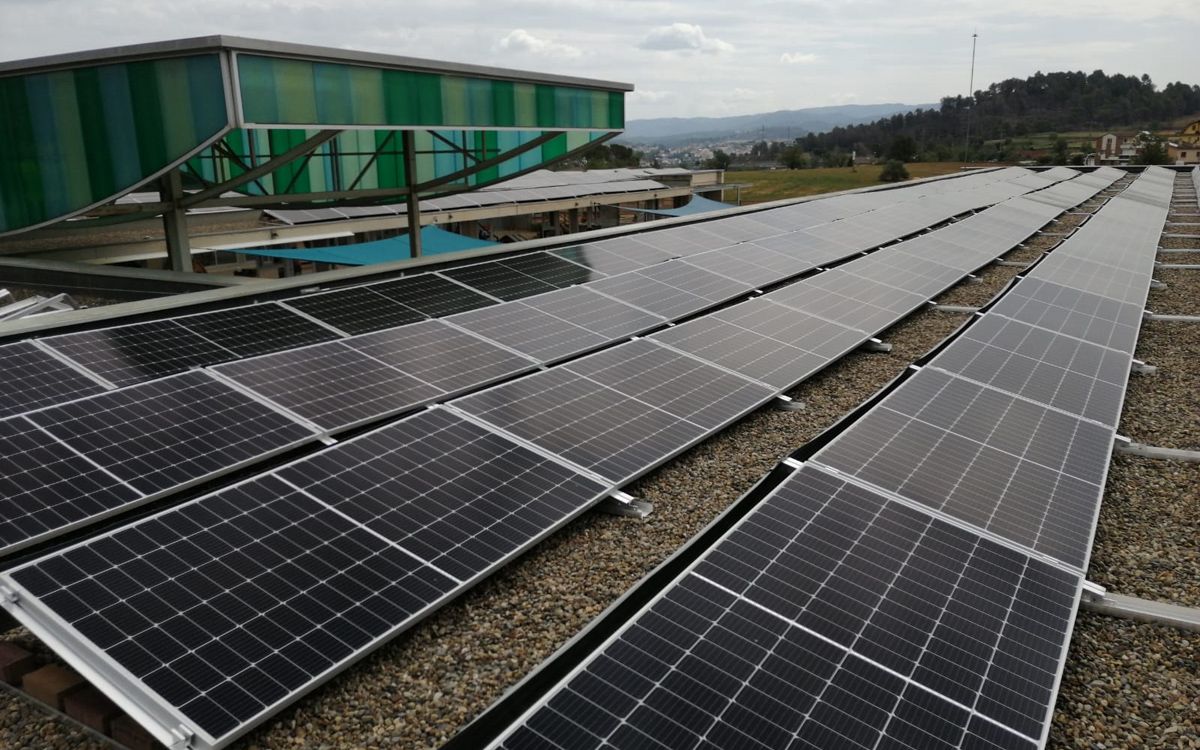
(1142,610)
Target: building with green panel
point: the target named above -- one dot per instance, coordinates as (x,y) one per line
(226,121)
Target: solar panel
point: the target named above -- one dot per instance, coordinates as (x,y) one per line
(355,310)
(1064,372)
(595,312)
(661,299)
(332,385)
(219,612)
(142,351)
(500,281)
(858,313)
(683,275)
(764,341)
(830,617)
(1016,468)
(750,264)
(530,331)
(168,433)
(441,355)
(551,269)
(446,490)
(256,329)
(921,276)
(31,378)
(620,411)
(432,295)
(1072,312)
(46,487)
(614,256)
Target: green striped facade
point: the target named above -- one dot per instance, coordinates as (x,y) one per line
(81,136)
(72,138)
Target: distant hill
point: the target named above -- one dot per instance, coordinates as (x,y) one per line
(782,124)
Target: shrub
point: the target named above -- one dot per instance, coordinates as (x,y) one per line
(893,171)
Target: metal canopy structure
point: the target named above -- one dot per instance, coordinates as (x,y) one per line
(280,125)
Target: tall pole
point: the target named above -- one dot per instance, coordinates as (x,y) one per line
(970,100)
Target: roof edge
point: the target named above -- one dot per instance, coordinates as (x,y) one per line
(224,42)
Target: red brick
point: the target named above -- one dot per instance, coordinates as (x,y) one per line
(15,662)
(91,707)
(129,733)
(51,684)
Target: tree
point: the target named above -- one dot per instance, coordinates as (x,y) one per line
(793,158)
(1155,152)
(893,171)
(903,148)
(719,160)
(1060,150)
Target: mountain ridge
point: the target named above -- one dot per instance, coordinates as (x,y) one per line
(778,124)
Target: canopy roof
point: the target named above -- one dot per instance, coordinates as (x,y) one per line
(280,124)
(433,241)
(697,205)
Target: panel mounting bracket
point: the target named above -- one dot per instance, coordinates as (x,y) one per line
(792,463)
(1093,591)
(182,737)
(787,403)
(1138,367)
(972,279)
(876,345)
(623,504)
(1013,263)
(1157,285)
(953,308)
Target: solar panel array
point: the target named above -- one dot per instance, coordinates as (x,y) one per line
(914,584)
(332,382)
(214,614)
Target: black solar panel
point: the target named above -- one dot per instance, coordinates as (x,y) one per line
(683,275)
(46,487)
(588,309)
(499,281)
(432,295)
(851,301)
(133,353)
(551,269)
(1013,467)
(32,378)
(530,331)
(225,606)
(446,490)
(618,412)
(331,384)
(441,355)
(750,264)
(356,310)
(164,434)
(1071,312)
(257,329)
(764,341)
(830,618)
(614,256)
(1064,372)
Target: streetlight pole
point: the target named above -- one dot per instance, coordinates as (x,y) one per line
(970,101)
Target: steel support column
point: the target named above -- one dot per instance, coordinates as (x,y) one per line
(179,250)
(413,199)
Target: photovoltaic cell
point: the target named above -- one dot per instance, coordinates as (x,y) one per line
(551,269)
(614,256)
(356,310)
(500,281)
(32,378)
(1016,468)
(432,295)
(331,384)
(830,617)
(1070,374)
(750,264)
(45,486)
(441,355)
(166,433)
(143,351)
(256,329)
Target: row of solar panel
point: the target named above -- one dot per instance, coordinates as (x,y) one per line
(61,368)
(342,383)
(851,609)
(218,612)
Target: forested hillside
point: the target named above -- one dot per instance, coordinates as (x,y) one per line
(1054,102)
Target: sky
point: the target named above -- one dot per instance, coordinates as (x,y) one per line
(686,59)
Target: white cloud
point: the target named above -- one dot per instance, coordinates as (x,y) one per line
(643,96)
(520,40)
(684,36)
(797,58)
(846,98)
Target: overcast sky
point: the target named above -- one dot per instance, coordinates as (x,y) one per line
(689,58)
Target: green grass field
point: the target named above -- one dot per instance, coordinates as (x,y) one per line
(772,185)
